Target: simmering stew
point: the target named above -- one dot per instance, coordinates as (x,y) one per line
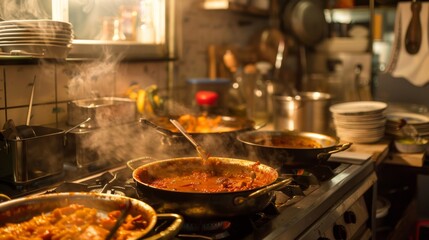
(211,181)
(206,182)
(73,222)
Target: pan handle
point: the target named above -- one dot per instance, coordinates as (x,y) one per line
(72,128)
(131,163)
(338,148)
(262,191)
(145,122)
(171,230)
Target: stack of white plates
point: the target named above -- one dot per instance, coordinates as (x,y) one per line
(38,38)
(359,122)
(419,121)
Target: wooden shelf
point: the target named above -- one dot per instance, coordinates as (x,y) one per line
(233,6)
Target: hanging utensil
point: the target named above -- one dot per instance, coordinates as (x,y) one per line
(413,37)
(305,19)
(26,131)
(272,42)
(203,153)
(30,105)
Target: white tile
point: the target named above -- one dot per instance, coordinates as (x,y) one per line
(19,79)
(63,75)
(143,75)
(41,115)
(62,112)
(88,80)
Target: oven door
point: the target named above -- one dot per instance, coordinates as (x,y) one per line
(353,217)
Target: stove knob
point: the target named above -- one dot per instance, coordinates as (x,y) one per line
(340,232)
(350,217)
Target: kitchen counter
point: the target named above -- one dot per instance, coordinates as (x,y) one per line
(379,150)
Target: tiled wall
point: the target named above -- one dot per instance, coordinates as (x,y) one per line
(58,83)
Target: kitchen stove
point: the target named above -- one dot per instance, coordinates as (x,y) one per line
(333,201)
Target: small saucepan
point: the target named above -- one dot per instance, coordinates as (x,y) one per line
(290,148)
(216,188)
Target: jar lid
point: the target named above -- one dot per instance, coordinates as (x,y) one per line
(206,97)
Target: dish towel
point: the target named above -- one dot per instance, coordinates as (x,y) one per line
(414,67)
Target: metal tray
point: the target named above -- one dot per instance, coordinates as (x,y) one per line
(104,112)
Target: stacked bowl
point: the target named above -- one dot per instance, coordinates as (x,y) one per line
(36,38)
(419,121)
(360,121)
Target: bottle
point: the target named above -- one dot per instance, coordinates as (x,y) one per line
(236,95)
(146,29)
(207,101)
(258,107)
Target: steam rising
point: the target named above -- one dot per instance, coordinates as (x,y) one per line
(24,9)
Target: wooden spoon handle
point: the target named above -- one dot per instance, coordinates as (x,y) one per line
(413,36)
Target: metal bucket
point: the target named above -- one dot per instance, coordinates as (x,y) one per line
(305,112)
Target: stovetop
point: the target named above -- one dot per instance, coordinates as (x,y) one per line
(293,209)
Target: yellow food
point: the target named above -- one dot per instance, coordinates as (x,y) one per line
(201,123)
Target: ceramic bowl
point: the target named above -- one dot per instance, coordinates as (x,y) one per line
(408,145)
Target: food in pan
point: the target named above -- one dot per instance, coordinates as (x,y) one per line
(212,180)
(289,142)
(73,222)
(201,123)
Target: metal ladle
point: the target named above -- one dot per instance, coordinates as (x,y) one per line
(203,153)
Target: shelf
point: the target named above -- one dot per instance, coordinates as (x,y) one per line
(233,6)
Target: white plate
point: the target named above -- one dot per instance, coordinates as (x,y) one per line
(49,31)
(45,41)
(39,50)
(35,34)
(358,108)
(361,139)
(359,118)
(36,22)
(411,118)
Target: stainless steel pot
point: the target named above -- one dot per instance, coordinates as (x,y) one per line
(22,209)
(29,159)
(207,205)
(306,112)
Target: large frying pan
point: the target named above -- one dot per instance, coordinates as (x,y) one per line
(23,209)
(269,147)
(222,142)
(208,205)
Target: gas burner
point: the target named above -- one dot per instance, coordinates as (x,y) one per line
(208,226)
(322,172)
(114,190)
(205,230)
